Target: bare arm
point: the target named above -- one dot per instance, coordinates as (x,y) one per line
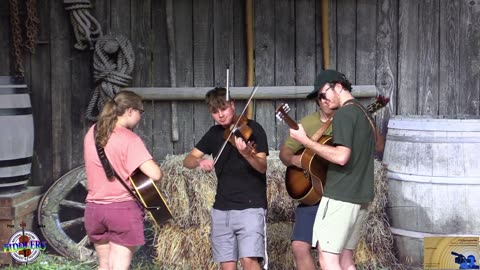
(336,154)
(289,158)
(152,170)
(195,159)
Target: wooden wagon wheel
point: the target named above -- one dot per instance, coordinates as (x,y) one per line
(61,211)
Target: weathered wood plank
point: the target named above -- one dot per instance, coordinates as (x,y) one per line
(264,26)
(332,37)
(239,65)
(222,41)
(386,73)
(41,104)
(284,57)
(263,92)
(163,75)
(203,44)
(365,50)
(81,89)
(142,73)
(101,12)
(120,17)
(449,57)
(184,72)
(428,57)
(346,28)
(145,128)
(160,47)
(407,58)
(162,135)
(204,66)
(468,101)
(141,19)
(317,9)
(5,35)
(61,43)
(307,52)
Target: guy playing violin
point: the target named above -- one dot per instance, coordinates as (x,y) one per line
(238,225)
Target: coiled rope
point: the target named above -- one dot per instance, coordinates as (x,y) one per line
(85,27)
(113,63)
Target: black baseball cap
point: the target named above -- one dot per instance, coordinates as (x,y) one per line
(326,76)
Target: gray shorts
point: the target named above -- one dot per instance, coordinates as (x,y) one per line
(238,234)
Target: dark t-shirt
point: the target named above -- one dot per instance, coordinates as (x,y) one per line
(352,182)
(239,186)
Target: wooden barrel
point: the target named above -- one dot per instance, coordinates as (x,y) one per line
(16,133)
(434,180)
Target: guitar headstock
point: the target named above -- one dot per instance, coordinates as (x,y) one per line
(282,114)
(380,102)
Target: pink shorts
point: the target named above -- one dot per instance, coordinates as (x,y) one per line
(120,223)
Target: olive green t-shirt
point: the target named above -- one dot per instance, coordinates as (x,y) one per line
(311,123)
(352,182)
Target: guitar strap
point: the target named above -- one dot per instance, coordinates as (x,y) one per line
(110,172)
(318,134)
(348,102)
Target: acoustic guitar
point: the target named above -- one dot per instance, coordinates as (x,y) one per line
(150,197)
(306,184)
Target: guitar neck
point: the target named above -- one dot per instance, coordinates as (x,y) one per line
(291,124)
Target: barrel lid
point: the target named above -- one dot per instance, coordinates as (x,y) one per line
(457,122)
(12,80)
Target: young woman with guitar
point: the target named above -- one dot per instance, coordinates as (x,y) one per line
(238,226)
(113,217)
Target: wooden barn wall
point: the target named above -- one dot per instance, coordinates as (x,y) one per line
(425,55)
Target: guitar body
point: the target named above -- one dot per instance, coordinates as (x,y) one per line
(306,184)
(150,197)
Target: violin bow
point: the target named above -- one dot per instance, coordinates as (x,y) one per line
(235,126)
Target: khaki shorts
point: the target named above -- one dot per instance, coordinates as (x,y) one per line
(337,225)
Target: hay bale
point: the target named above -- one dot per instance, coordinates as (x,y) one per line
(280,256)
(184,248)
(189,193)
(280,206)
(375,247)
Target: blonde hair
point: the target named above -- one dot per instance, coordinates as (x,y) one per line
(111,110)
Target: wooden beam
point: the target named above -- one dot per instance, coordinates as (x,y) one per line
(263,92)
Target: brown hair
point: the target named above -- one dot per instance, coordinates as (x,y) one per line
(111,110)
(216,98)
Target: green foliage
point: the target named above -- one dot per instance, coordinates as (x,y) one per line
(52,262)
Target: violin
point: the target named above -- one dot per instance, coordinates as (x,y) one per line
(239,127)
(241,130)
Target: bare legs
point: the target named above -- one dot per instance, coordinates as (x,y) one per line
(303,256)
(112,256)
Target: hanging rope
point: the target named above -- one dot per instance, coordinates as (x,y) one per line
(31,31)
(113,62)
(85,27)
(31,26)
